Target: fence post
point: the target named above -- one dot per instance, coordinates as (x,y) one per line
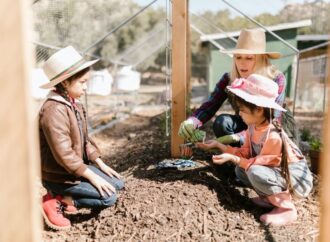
(325,171)
(18,140)
(179,69)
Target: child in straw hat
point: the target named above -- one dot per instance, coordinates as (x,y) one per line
(68,154)
(249,56)
(268,161)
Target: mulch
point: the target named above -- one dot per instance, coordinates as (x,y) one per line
(203,203)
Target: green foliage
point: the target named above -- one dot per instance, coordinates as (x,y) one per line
(305,134)
(189,111)
(315,143)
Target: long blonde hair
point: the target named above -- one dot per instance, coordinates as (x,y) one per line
(262,67)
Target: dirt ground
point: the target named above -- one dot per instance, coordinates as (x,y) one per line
(197,204)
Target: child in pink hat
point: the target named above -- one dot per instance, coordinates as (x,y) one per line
(268,161)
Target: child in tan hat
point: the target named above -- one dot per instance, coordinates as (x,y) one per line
(250,56)
(73,172)
(268,161)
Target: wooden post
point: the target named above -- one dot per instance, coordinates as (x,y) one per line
(179,70)
(325,170)
(19,160)
(188,65)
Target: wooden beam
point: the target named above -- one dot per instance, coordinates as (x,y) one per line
(188,65)
(325,168)
(19,159)
(179,70)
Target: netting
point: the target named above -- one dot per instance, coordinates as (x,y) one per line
(89,26)
(126,38)
(124,34)
(312,85)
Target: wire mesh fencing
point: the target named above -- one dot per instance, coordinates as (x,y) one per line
(312,89)
(126,37)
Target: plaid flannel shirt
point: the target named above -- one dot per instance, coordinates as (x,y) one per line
(208,109)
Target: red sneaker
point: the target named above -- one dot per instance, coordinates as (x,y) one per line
(53,214)
(67,209)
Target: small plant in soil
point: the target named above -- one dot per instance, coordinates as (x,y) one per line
(315,144)
(314,153)
(305,134)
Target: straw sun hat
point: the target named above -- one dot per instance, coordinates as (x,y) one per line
(64,64)
(258,90)
(252,41)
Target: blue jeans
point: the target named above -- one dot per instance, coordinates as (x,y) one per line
(84,194)
(226,124)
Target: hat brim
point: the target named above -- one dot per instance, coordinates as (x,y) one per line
(257,100)
(272,55)
(61,78)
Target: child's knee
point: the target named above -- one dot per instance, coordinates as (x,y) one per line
(240,172)
(119,184)
(256,174)
(109,200)
(222,125)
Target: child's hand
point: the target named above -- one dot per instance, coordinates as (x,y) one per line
(223,158)
(106,169)
(210,144)
(101,185)
(109,171)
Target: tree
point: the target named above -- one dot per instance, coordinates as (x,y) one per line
(82,22)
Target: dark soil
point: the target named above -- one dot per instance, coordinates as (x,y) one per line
(197,204)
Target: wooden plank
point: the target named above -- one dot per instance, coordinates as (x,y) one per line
(20,218)
(179,71)
(325,170)
(188,52)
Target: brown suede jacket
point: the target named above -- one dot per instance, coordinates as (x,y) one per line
(61,144)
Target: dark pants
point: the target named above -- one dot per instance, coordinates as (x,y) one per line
(84,194)
(226,124)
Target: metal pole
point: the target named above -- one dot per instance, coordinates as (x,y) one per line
(296,86)
(168,73)
(314,47)
(214,26)
(212,41)
(126,21)
(136,47)
(150,54)
(90,55)
(325,83)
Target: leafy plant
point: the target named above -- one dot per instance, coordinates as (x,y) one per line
(305,134)
(315,143)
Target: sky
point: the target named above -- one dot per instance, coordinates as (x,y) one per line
(246,6)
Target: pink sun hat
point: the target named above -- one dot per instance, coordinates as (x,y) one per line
(258,90)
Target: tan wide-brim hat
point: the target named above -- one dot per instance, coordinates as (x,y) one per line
(252,42)
(64,64)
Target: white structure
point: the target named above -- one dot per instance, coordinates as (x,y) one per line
(100,83)
(38,78)
(127,79)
